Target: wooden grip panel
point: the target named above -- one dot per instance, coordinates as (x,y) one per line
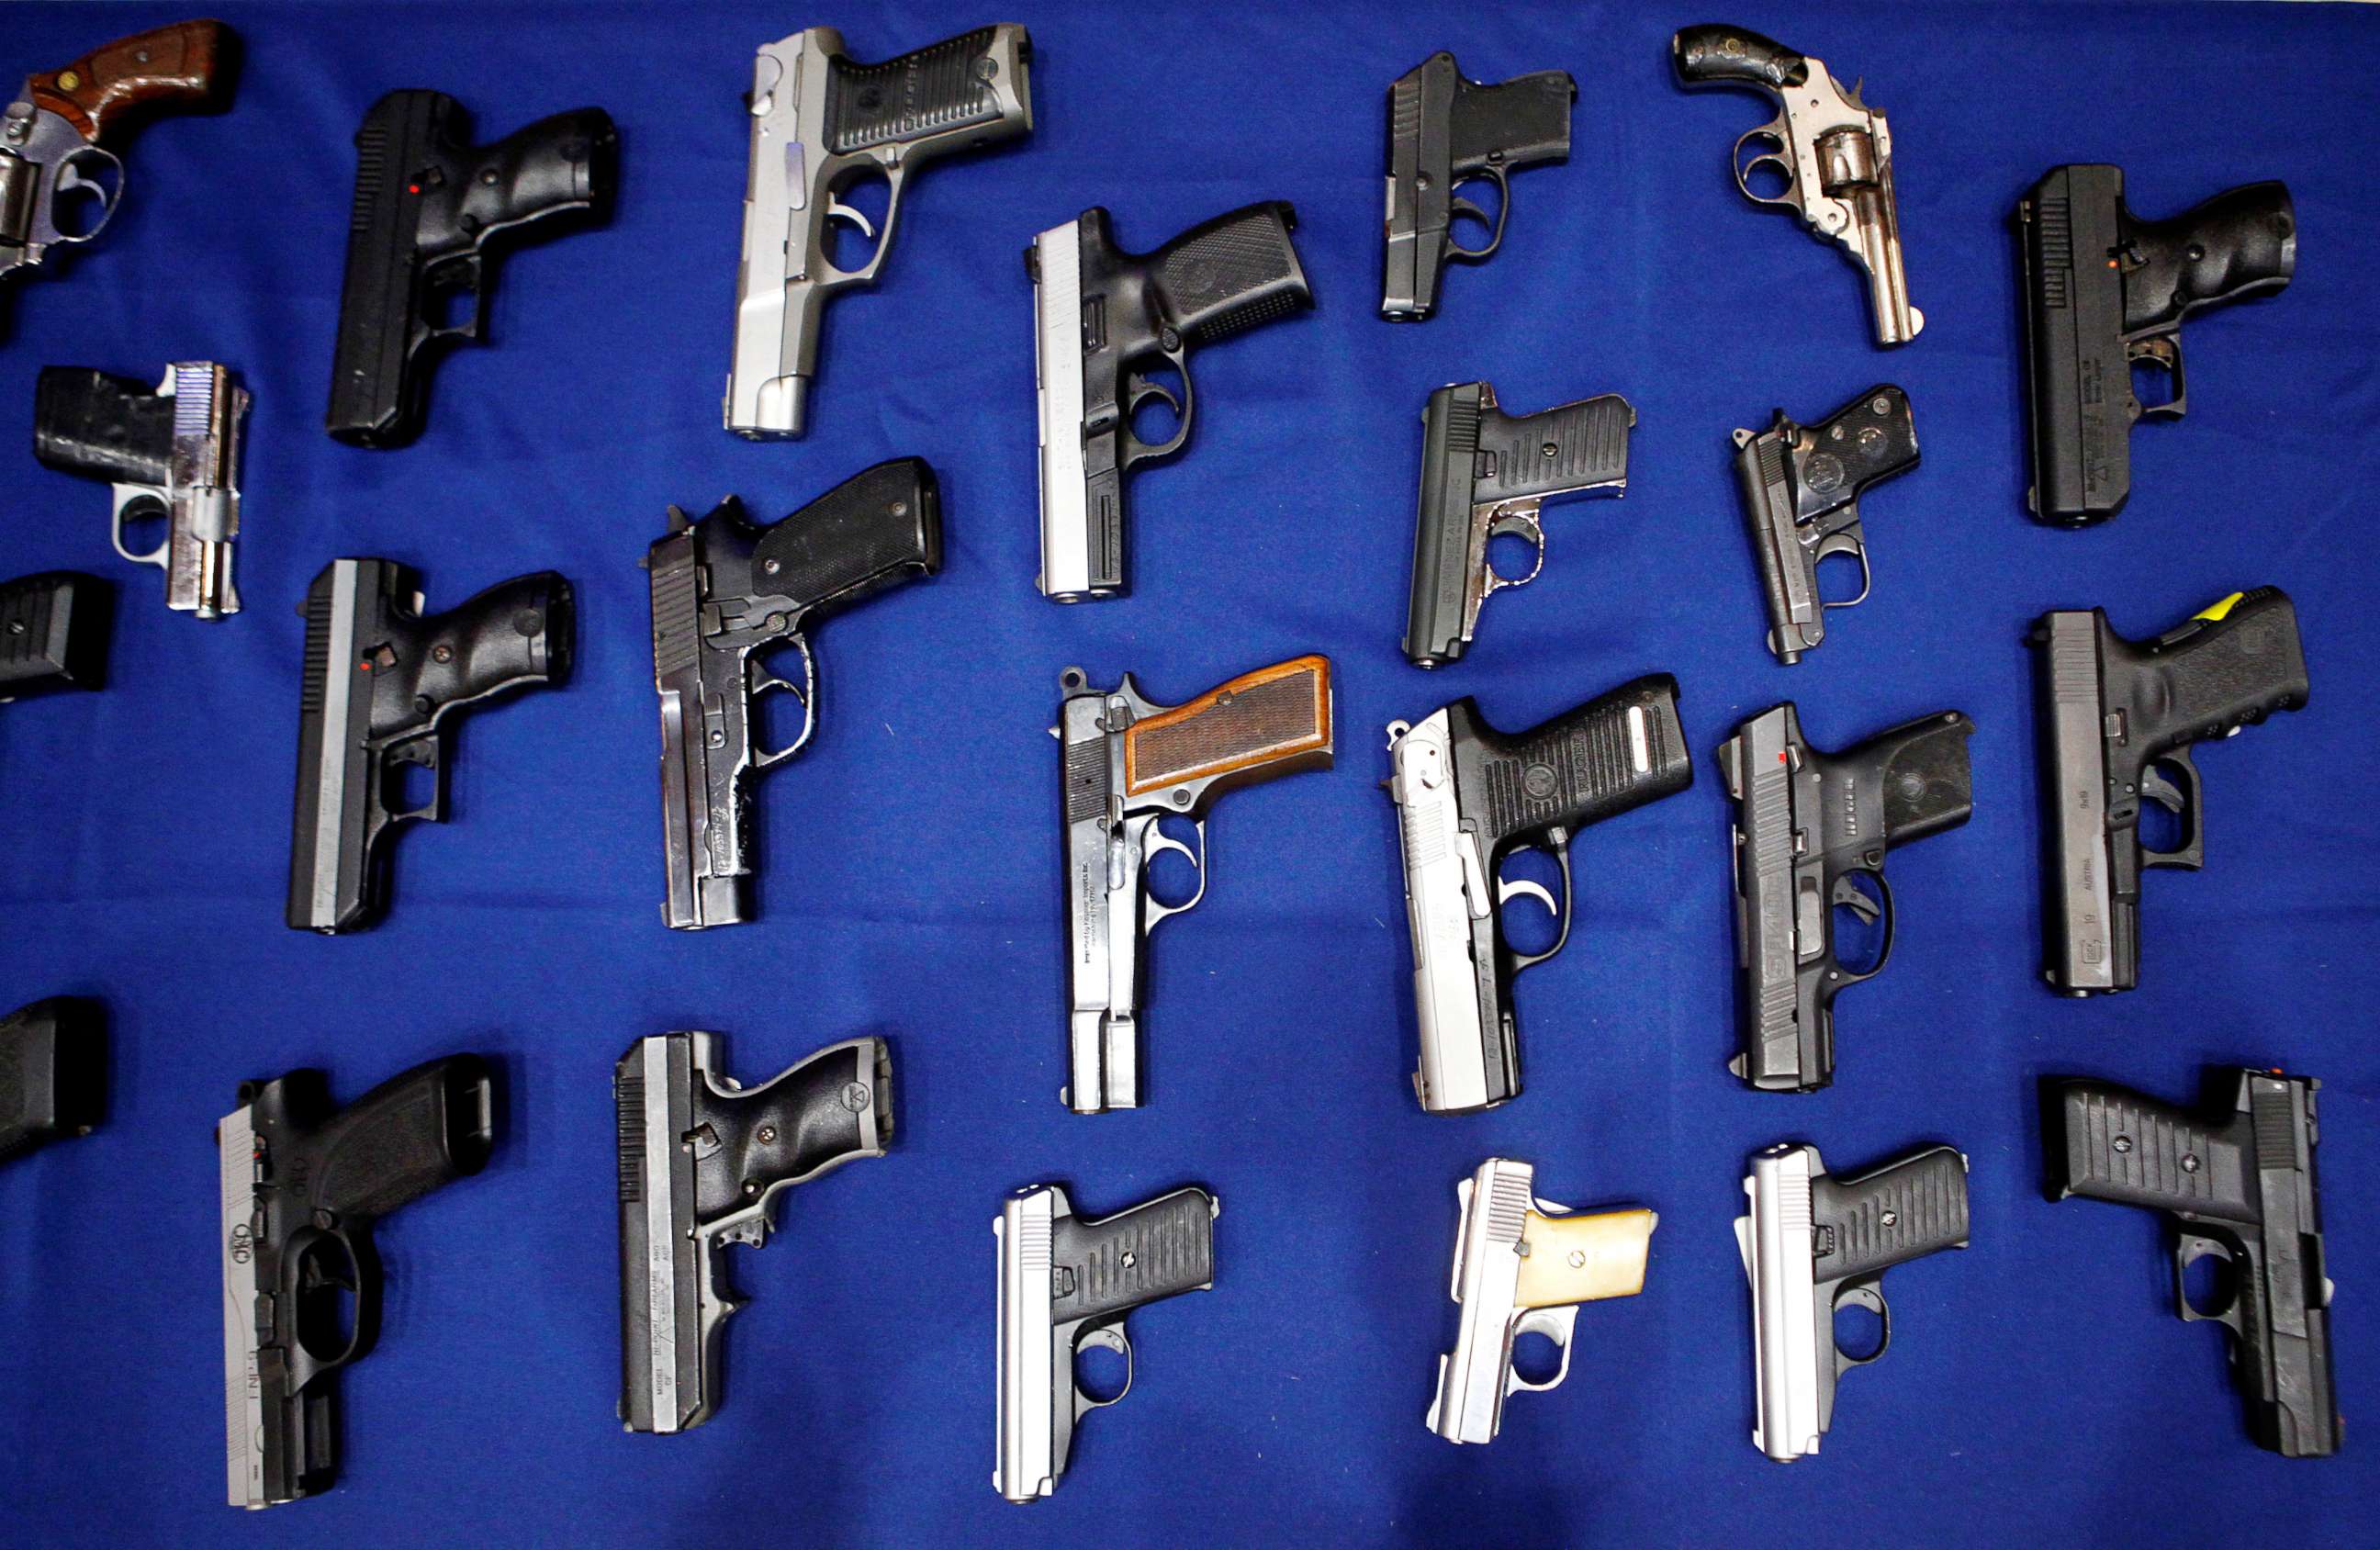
(171,66)
(1275,716)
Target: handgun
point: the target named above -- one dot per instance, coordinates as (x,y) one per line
(1811,832)
(302,1184)
(1830,152)
(52,633)
(171,453)
(1126,762)
(2238,1178)
(1522,1265)
(60,179)
(1486,475)
(703,1160)
(1467,797)
(53,1072)
(2118,717)
(725,591)
(430,211)
(1067,1282)
(1813,1244)
(1445,130)
(821,124)
(382,681)
(1801,486)
(2104,293)
(1104,320)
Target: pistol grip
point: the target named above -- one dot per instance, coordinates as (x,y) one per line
(186,65)
(1575,1258)
(1713,52)
(1230,273)
(96,425)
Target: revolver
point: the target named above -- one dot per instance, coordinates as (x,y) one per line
(1103,319)
(59,176)
(703,1160)
(382,679)
(2118,717)
(1467,797)
(1485,475)
(52,633)
(1127,762)
(1522,1265)
(53,1072)
(172,453)
(1801,486)
(725,590)
(302,1184)
(1067,1282)
(2238,1178)
(1813,1244)
(823,122)
(1811,832)
(429,210)
(1445,130)
(2104,293)
(1831,151)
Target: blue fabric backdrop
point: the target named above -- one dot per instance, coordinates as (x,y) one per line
(2039,1387)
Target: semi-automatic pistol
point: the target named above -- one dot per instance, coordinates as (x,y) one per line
(1126,762)
(52,633)
(1801,486)
(1444,131)
(1522,1265)
(1486,475)
(1813,1244)
(53,1072)
(1067,1282)
(1831,153)
(821,124)
(703,1160)
(172,453)
(2238,1178)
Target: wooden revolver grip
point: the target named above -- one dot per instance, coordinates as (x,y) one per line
(1275,721)
(170,68)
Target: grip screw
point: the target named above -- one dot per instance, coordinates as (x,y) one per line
(1578,1259)
(2190,1162)
(751,1187)
(2121,1144)
(1130,1259)
(442,652)
(986,68)
(487,178)
(68,81)
(15,626)
(1890,1219)
(1550,449)
(767,1136)
(1879,405)
(772,566)
(1169,341)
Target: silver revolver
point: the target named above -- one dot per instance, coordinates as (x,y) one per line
(1522,1265)
(1833,152)
(171,451)
(821,123)
(1067,1282)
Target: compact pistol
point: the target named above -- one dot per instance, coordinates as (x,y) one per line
(725,591)
(302,1184)
(52,633)
(2238,1178)
(1467,797)
(1813,1244)
(382,682)
(703,1160)
(1811,833)
(1832,153)
(2104,293)
(430,211)
(821,123)
(1801,486)
(1486,475)
(2118,717)
(1127,762)
(1103,320)
(60,179)
(53,1072)
(1445,130)
(1067,1282)
(1522,1265)
(172,453)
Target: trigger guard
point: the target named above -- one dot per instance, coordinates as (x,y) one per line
(1107,1336)
(1142,390)
(1516,526)
(1845,542)
(1860,1295)
(1157,844)
(2188,1251)
(762,681)
(422,751)
(1555,1325)
(128,497)
(1773,134)
(1849,896)
(1458,206)
(1509,888)
(71,178)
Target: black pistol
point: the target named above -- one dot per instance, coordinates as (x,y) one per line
(382,679)
(52,633)
(2104,292)
(429,207)
(1445,130)
(53,1072)
(2238,1178)
(302,1184)
(725,591)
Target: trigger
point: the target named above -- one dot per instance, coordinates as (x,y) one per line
(838,210)
(1509,888)
(2162,791)
(1851,896)
(1143,389)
